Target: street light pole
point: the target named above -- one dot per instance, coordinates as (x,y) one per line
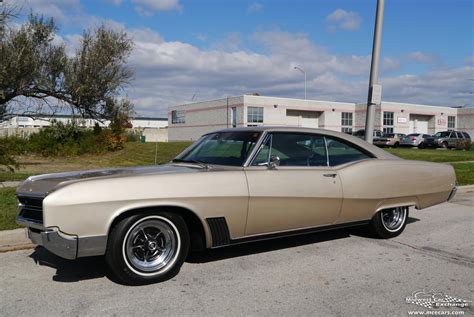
(301,70)
(375,90)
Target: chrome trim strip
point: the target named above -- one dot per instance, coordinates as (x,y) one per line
(453,193)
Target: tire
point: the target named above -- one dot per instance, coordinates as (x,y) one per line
(421,145)
(396,145)
(389,223)
(147,248)
(445,145)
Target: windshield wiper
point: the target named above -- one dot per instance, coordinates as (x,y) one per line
(202,164)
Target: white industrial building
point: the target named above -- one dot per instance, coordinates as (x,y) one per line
(190,121)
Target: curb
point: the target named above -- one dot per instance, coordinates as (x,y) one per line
(466,189)
(17,239)
(12,240)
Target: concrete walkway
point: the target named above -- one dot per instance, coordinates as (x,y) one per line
(10,184)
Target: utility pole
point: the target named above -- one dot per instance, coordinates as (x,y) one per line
(375,90)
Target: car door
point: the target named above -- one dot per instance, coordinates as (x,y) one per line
(460,142)
(302,192)
(453,139)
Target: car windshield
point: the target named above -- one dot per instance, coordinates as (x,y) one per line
(221,148)
(389,135)
(442,134)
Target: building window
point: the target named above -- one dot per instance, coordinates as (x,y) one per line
(178,116)
(451,122)
(387,122)
(255,114)
(346,122)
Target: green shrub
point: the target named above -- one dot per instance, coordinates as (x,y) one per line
(10,147)
(69,139)
(132,136)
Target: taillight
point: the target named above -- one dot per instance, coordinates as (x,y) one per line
(413,138)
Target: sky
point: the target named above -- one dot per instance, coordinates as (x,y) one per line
(190,50)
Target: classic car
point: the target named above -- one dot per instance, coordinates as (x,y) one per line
(231,186)
(453,140)
(389,139)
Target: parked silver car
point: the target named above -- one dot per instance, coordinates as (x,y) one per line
(419,140)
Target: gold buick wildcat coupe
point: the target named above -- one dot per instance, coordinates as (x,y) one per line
(231,186)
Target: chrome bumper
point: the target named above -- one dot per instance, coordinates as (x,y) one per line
(55,241)
(453,193)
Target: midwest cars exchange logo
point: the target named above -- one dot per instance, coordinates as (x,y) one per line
(435,299)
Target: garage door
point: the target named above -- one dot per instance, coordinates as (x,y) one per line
(418,124)
(308,119)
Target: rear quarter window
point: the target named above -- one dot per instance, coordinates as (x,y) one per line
(342,152)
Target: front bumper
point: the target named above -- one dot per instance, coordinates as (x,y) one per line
(55,241)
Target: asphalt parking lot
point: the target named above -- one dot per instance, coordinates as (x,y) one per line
(334,273)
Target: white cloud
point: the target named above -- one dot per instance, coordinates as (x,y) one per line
(57,9)
(150,7)
(446,86)
(345,20)
(421,57)
(255,7)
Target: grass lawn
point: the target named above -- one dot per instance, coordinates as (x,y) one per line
(433,155)
(8,208)
(133,154)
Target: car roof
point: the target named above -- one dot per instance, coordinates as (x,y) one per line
(379,153)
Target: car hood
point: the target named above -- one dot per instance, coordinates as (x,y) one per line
(41,185)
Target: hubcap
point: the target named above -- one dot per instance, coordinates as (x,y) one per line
(151,245)
(393,219)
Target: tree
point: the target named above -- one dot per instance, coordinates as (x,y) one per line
(37,76)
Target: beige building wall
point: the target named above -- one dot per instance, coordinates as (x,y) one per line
(465,121)
(204,117)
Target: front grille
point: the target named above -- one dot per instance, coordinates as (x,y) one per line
(31,208)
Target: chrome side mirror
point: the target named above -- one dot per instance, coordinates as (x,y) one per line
(274,162)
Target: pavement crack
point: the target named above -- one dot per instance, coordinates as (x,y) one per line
(437,253)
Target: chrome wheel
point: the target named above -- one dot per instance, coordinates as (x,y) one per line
(393,219)
(151,245)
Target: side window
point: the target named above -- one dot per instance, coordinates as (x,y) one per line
(263,153)
(460,136)
(294,149)
(466,136)
(341,152)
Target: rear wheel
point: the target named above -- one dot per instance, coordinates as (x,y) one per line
(396,144)
(389,223)
(445,145)
(422,145)
(147,247)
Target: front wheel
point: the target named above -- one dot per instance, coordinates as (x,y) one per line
(147,247)
(389,223)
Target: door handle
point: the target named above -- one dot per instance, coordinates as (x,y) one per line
(333,175)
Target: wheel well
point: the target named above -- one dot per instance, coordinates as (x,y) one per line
(194,224)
